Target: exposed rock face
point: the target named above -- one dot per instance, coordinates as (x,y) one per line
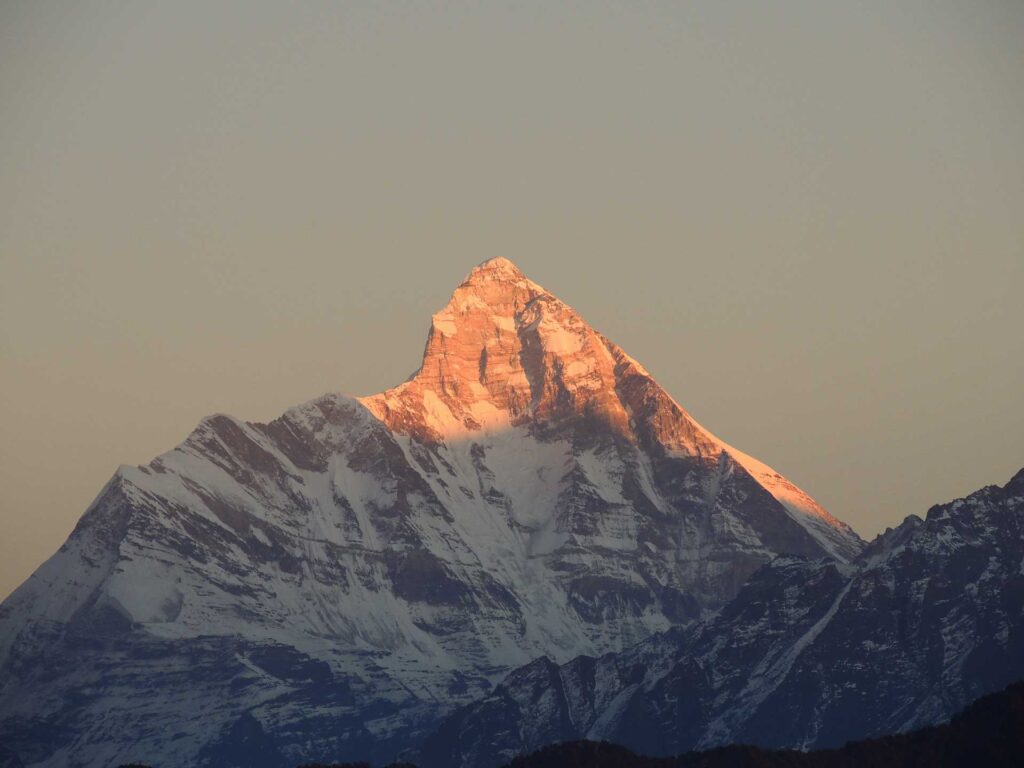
(337,579)
(809,654)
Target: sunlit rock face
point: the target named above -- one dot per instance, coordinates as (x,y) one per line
(333,582)
(809,654)
(505,352)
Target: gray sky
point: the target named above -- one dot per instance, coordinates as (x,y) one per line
(806,219)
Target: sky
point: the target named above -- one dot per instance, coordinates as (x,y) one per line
(805,219)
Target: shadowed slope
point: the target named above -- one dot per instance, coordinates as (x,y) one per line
(989,732)
(808,654)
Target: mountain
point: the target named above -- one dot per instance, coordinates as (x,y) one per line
(989,732)
(335,581)
(809,654)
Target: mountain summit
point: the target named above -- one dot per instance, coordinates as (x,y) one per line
(336,580)
(503,353)
(506,353)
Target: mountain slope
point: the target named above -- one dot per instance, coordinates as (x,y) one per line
(369,563)
(809,653)
(989,732)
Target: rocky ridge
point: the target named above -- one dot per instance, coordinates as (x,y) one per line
(810,654)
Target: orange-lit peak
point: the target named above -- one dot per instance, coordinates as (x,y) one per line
(498,267)
(505,356)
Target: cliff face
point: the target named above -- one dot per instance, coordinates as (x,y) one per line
(341,577)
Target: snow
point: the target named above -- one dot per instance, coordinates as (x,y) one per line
(444,324)
(144,591)
(609,717)
(765,678)
(559,340)
(270,550)
(835,537)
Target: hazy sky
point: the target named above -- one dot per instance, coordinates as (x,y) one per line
(805,218)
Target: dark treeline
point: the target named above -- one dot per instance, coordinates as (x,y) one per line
(990,732)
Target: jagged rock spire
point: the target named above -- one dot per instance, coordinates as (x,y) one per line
(503,351)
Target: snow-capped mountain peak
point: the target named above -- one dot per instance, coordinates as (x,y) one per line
(531,491)
(506,353)
(502,352)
